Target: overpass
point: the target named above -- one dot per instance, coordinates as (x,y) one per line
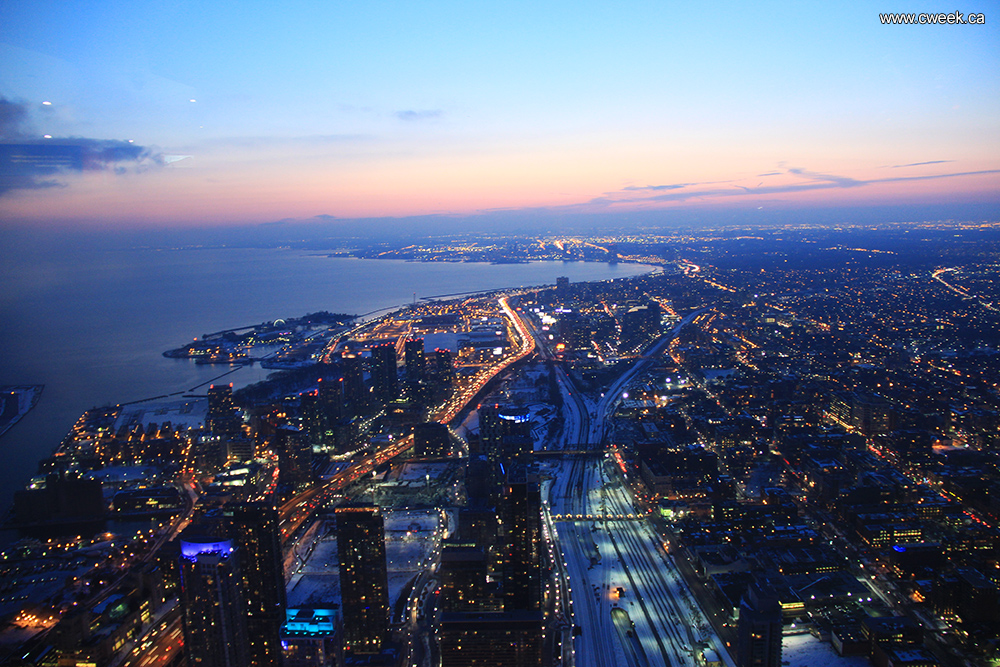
(598,517)
(584,450)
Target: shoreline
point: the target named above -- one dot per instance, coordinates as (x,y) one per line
(32,391)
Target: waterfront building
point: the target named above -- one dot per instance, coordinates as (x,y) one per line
(65,498)
(364,586)
(562,288)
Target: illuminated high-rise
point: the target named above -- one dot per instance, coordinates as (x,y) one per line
(758,634)
(254,528)
(521,543)
(364,586)
(223,418)
(214,612)
(416,367)
(354,385)
(385,382)
(444,370)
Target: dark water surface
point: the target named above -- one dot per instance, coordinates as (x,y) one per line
(91,325)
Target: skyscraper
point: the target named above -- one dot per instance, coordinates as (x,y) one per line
(254,528)
(314,420)
(385,383)
(364,586)
(463,580)
(759,632)
(504,435)
(431,439)
(491,639)
(222,419)
(294,456)
(416,367)
(521,543)
(562,288)
(215,628)
(444,371)
(354,385)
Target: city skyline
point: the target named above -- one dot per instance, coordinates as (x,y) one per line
(773,449)
(213,116)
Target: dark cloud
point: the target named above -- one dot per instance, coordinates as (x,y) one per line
(13,120)
(31,162)
(420,114)
(840,181)
(770,173)
(672,186)
(919,164)
(816,181)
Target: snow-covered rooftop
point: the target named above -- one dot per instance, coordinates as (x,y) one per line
(804,650)
(183,414)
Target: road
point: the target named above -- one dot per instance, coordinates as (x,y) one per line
(611,396)
(295,512)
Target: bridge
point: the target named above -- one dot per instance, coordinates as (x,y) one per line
(598,517)
(582,450)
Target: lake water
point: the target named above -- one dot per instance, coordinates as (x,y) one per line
(91,325)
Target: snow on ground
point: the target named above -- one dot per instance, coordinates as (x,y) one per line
(417,472)
(407,554)
(469,425)
(317,582)
(411,520)
(411,539)
(444,341)
(807,651)
(398,584)
(182,414)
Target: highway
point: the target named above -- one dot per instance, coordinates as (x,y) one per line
(295,512)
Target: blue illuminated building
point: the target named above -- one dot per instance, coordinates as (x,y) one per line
(215,630)
(309,637)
